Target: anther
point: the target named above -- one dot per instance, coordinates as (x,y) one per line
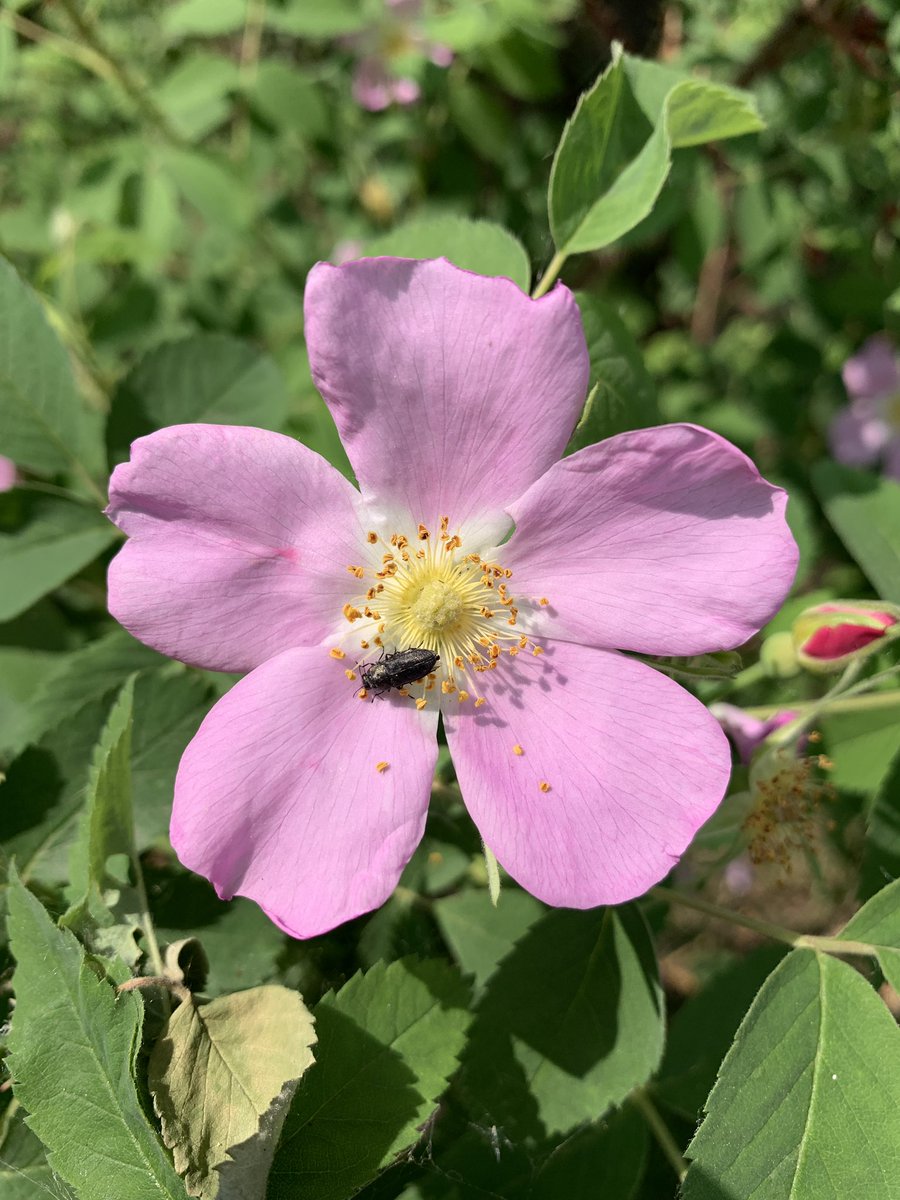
(421,703)
(371,537)
(537,650)
(362,693)
(350,674)
(351,613)
(462,696)
(336,653)
(517,749)
(544,785)
(381,767)
(357,571)
(423,533)
(480,701)
(544,601)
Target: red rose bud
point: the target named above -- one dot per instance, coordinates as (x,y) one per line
(829,636)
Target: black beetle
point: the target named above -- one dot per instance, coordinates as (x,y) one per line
(398,669)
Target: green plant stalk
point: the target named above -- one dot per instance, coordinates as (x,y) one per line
(850,704)
(660,1131)
(550,275)
(778,933)
(127,80)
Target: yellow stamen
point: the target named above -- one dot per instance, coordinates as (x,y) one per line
(544,785)
(381,767)
(517,749)
(350,674)
(336,653)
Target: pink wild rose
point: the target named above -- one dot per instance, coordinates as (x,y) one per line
(867,431)
(586,771)
(387,51)
(748,732)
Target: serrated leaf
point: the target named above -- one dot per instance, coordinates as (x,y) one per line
(208,377)
(85,674)
(388,1042)
(222,1076)
(878,923)
(864,511)
(25,1173)
(568,1026)
(480,935)
(52,540)
(807,1104)
(107,822)
(623,394)
(479,246)
(43,423)
(881,857)
(616,150)
(73,1047)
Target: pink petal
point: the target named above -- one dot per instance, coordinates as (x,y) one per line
(873,372)
(239,540)
(858,434)
(441,56)
(452,392)
(840,640)
(746,731)
(405,91)
(371,85)
(9,476)
(663,541)
(279,798)
(634,764)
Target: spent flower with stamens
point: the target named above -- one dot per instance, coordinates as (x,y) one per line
(586,771)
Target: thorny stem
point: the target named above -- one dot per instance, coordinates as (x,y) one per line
(38,34)
(779,933)
(660,1131)
(130,84)
(549,277)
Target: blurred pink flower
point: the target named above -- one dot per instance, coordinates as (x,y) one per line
(867,431)
(385,52)
(746,731)
(9,476)
(586,771)
(828,636)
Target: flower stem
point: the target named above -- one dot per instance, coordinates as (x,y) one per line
(779,933)
(660,1131)
(845,704)
(549,277)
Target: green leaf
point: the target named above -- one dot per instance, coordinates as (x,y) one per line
(219,196)
(207,377)
(602,1160)
(108,821)
(85,674)
(222,1076)
(22,672)
(878,923)
(703,1029)
(290,100)
(616,150)
(807,1104)
(211,18)
(862,745)
(73,1048)
(623,394)
(881,857)
(52,540)
(25,1173)
(195,95)
(43,423)
(478,246)
(479,934)
(305,20)
(864,511)
(388,1042)
(569,1025)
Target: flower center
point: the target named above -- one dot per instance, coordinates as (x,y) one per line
(427,593)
